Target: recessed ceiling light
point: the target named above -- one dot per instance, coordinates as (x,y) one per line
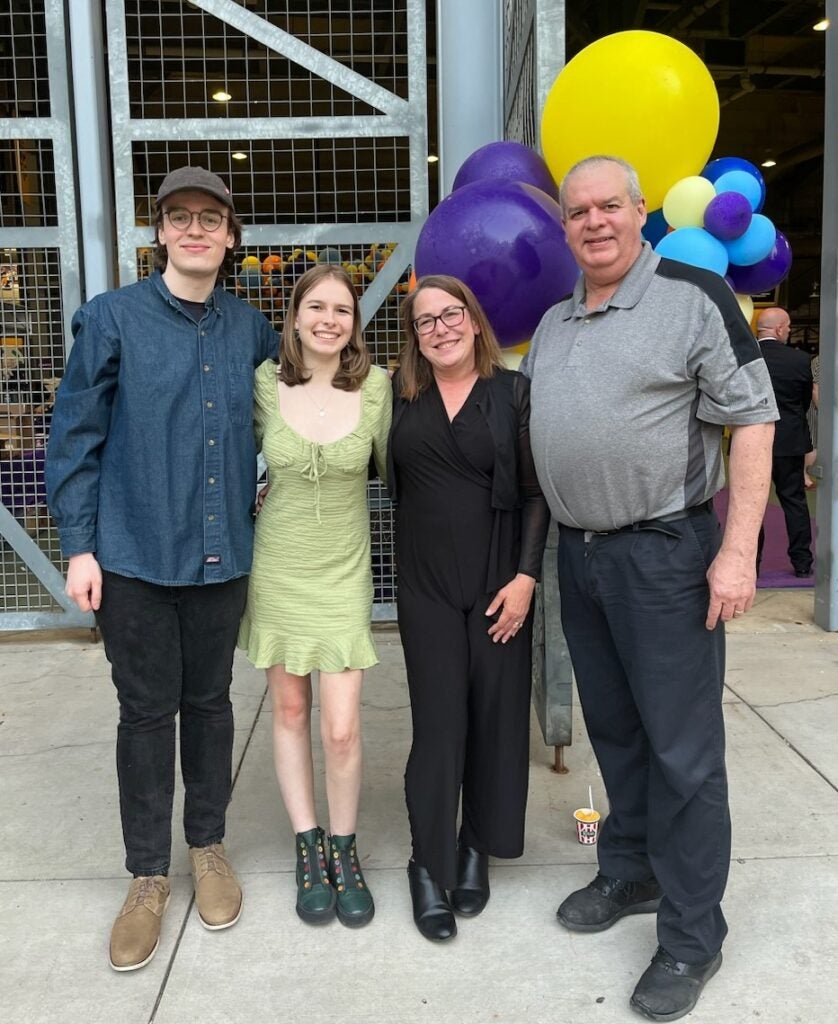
(821,26)
(220,96)
(432,159)
(769,161)
(239,156)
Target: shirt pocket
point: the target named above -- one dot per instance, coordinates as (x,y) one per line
(241,392)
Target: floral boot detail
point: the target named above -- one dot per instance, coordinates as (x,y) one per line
(315,895)
(355,905)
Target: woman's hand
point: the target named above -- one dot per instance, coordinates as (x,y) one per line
(260,499)
(513,602)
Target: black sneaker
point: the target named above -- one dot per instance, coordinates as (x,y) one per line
(606,900)
(669,989)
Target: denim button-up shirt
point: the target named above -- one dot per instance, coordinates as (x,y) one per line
(151,462)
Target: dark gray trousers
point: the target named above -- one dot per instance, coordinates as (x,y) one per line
(650,679)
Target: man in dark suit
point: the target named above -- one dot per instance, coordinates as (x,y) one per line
(791,375)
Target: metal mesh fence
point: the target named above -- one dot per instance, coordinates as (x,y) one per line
(24,81)
(38,277)
(291,181)
(31,364)
(180,58)
(27,183)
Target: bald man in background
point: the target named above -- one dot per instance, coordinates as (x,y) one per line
(791,376)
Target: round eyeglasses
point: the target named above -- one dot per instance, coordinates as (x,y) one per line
(180,218)
(451,317)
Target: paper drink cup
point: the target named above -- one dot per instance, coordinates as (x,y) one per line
(587,825)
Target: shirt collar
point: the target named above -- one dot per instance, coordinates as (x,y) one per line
(630,291)
(160,285)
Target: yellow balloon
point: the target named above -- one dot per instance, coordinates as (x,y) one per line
(251,261)
(746,304)
(513,355)
(686,202)
(638,95)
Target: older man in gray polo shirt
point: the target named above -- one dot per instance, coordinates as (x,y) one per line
(633,379)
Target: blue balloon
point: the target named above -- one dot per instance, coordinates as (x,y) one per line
(655,227)
(741,182)
(755,244)
(696,247)
(507,161)
(765,275)
(716,168)
(506,241)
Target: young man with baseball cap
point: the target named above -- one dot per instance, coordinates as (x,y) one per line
(151,476)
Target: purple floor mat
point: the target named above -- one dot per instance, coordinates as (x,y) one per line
(776,571)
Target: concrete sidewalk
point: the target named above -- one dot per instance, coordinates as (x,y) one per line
(61,877)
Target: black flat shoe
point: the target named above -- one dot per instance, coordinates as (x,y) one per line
(431,909)
(669,989)
(472,892)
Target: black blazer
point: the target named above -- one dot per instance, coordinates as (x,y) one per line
(791,376)
(522,515)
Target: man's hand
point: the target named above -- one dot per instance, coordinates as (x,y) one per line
(84,582)
(733,583)
(732,574)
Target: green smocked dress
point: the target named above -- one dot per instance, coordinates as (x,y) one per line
(309,601)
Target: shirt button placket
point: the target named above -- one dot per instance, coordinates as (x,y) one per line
(212,456)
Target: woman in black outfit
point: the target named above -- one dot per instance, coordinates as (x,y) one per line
(470,530)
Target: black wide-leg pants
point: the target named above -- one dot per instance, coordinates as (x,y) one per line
(470,702)
(650,679)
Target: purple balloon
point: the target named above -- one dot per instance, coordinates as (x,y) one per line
(765,275)
(509,161)
(716,168)
(728,216)
(506,241)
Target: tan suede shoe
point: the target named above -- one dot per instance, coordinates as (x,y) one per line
(217,890)
(136,931)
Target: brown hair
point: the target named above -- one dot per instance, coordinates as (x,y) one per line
(354,357)
(160,255)
(415,372)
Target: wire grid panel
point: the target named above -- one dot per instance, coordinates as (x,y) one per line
(38,281)
(31,364)
(27,183)
(290,181)
(24,74)
(180,58)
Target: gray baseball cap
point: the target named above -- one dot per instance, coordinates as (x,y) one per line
(194,179)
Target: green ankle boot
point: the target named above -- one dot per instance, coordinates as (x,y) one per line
(355,905)
(315,895)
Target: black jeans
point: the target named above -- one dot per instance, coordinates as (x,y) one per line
(171,651)
(650,679)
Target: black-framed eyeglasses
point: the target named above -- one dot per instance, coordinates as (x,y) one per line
(451,317)
(181,218)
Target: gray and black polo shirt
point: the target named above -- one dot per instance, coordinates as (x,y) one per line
(629,400)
